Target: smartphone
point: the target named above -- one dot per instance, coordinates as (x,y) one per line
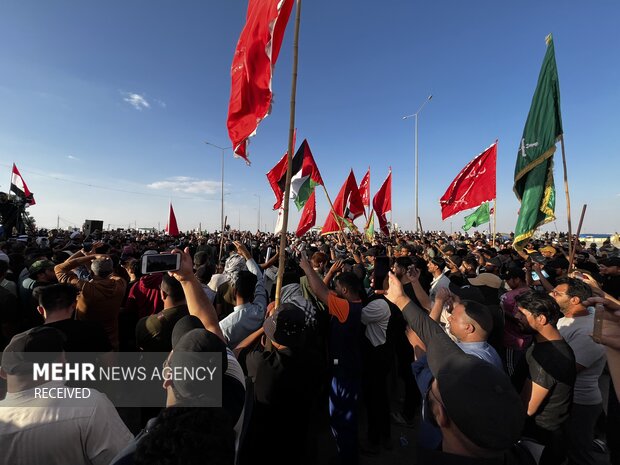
(160,263)
(535,276)
(381,270)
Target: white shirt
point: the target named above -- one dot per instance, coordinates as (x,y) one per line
(65,431)
(576,332)
(437,283)
(376,316)
(248,317)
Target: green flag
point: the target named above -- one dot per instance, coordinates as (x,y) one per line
(534,185)
(480,216)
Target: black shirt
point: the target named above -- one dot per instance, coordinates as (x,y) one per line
(83,336)
(552,366)
(284,382)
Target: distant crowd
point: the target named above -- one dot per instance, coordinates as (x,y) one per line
(487,355)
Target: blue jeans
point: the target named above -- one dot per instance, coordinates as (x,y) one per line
(343,398)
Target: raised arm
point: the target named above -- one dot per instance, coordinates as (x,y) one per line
(198,303)
(414,276)
(319,288)
(440,348)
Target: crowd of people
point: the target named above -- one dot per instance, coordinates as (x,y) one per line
(499,356)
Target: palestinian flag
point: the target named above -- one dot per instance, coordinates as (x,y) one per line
(306,177)
(19,187)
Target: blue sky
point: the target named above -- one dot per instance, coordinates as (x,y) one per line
(105,106)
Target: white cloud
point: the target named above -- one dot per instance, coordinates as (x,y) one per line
(187,185)
(71,157)
(136,100)
(160,103)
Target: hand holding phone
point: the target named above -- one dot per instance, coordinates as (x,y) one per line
(160,263)
(381,270)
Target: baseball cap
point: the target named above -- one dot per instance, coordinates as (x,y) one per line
(548,248)
(38,266)
(45,341)
(486,279)
(467,293)
(481,401)
(372,252)
(495,261)
(512,272)
(287,325)
(193,345)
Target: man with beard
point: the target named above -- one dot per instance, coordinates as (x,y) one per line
(548,390)
(576,328)
(469,325)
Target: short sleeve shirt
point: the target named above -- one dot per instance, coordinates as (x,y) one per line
(552,365)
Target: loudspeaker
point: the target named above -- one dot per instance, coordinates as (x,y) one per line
(91,225)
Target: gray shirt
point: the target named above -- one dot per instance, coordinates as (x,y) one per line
(576,332)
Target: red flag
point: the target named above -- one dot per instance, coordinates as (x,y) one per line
(252,69)
(348,204)
(308,217)
(475,184)
(382,202)
(171,227)
(19,187)
(365,189)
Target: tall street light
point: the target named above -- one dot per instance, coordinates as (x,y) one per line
(223,149)
(258,225)
(417,216)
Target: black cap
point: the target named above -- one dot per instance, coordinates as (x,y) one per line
(512,272)
(467,293)
(45,341)
(287,325)
(190,345)
(372,252)
(481,401)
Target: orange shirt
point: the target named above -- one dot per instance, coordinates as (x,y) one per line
(338,307)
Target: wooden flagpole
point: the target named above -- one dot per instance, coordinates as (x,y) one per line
(570,228)
(571,255)
(289,158)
